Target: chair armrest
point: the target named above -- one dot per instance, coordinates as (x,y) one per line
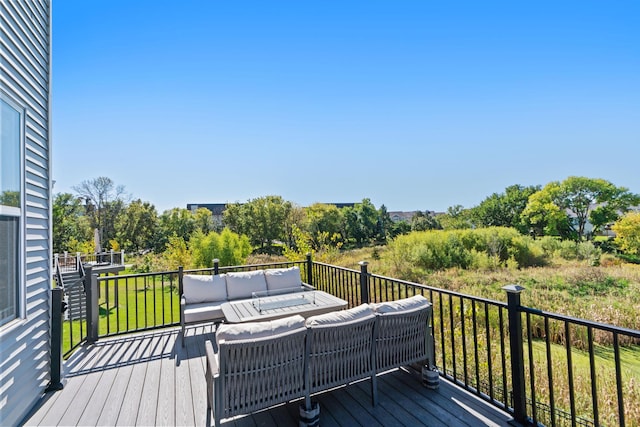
(308,287)
(212,360)
(211,372)
(183,304)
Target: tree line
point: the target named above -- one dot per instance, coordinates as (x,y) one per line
(271,224)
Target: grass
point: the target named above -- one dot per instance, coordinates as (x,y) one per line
(607,294)
(134,304)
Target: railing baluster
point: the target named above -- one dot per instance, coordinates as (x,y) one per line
(475,344)
(464,344)
(505,395)
(616,349)
(552,402)
(534,413)
(572,402)
(453,339)
(489,360)
(443,347)
(594,388)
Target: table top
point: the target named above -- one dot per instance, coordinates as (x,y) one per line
(278,306)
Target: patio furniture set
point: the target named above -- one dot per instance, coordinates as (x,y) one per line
(256,365)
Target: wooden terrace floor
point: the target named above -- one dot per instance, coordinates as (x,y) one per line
(149,379)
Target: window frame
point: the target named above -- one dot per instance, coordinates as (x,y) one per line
(20,213)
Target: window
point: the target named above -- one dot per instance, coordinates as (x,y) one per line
(10,210)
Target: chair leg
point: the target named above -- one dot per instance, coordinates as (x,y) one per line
(374,390)
(182,335)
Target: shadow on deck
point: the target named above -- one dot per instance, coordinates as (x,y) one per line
(149,379)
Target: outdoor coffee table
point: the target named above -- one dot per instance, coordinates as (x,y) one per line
(269,307)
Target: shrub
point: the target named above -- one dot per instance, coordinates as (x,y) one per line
(229,247)
(485,248)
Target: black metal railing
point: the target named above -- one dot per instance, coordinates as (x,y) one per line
(67,262)
(541,367)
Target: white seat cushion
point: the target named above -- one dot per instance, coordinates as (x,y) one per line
(203,312)
(356,313)
(283,278)
(201,288)
(406,304)
(254,330)
(242,284)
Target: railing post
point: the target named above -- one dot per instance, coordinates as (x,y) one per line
(91,290)
(111,257)
(78,261)
(57,310)
(517,354)
(309,269)
(364,283)
(216,266)
(180,273)
(122,257)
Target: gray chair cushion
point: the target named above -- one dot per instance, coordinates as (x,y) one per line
(283,278)
(254,330)
(203,312)
(242,284)
(200,288)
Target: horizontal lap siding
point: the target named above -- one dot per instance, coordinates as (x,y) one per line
(24,78)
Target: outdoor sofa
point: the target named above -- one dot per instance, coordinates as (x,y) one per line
(202,296)
(260,364)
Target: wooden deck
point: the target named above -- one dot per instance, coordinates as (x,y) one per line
(150,379)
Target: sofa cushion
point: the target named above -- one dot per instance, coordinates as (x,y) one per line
(203,312)
(199,288)
(254,330)
(242,284)
(356,313)
(406,304)
(283,278)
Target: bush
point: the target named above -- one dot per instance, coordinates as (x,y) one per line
(485,248)
(229,247)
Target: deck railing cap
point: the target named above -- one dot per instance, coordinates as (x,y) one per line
(515,289)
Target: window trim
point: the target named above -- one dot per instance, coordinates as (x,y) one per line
(21,309)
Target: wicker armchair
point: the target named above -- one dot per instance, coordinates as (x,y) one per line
(253,372)
(403,333)
(340,348)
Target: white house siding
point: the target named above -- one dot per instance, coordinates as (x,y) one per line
(25,79)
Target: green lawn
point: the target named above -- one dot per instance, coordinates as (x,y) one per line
(127,305)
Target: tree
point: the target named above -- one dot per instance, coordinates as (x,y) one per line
(457,217)
(627,231)
(228,247)
(262,219)
(323,222)
(504,209)
(203,219)
(542,217)
(422,221)
(385,225)
(361,222)
(70,225)
(137,226)
(174,222)
(104,202)
(580,200)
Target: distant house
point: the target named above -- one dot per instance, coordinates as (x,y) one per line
(25,206)
(217,209)
(397,216)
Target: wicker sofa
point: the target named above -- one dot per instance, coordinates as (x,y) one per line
(202,296)
(258,365)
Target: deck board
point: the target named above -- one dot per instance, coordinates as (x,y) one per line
(150,379)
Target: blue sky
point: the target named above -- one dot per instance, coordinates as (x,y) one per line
(413,104)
